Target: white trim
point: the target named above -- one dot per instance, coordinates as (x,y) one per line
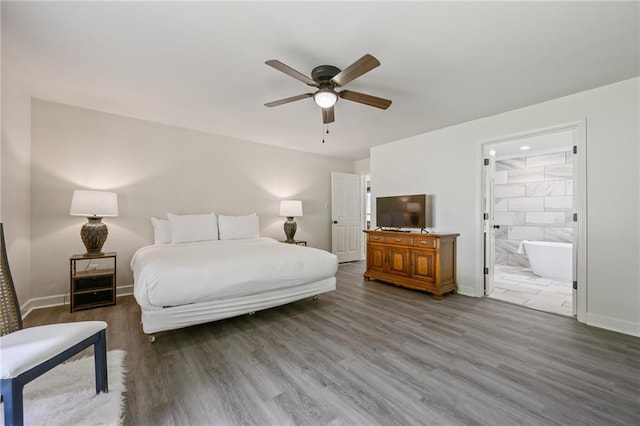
(63,299)
(532,133)
(466,290)
(538,152)
(363,214)
(580,208)
(614,324)
(580,205)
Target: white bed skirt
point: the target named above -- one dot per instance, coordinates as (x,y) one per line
(170,318)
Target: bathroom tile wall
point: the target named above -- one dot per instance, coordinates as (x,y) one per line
(533,201)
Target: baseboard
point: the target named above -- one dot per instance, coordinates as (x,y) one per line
(62,299)
(614,324)
(125,290)
(466,290)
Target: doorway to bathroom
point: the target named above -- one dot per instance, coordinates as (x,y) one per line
(531,232)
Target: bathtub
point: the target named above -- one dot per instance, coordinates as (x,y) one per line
(549,259)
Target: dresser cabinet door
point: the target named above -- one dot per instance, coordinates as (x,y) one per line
(423,265)
(376,257)
(399,261)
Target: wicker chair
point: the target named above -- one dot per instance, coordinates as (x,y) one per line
(27,353)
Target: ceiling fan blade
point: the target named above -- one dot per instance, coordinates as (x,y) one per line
(287,100)
(355,70)
(362,98)
(327,115)
(290,71)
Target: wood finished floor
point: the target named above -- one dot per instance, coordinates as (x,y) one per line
(374,354)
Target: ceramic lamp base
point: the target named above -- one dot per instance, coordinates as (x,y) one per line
(290,228)
(94,233)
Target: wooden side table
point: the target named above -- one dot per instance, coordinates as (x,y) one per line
(90,288)
(296,242)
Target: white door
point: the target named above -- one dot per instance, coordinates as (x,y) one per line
(345,216)
(488,219)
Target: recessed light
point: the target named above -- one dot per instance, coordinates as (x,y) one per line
(524,147)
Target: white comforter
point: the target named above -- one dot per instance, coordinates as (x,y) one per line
(178,274)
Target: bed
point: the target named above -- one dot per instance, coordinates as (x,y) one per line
(179,285)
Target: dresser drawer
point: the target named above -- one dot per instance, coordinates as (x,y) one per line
(400,240)
(93,298)
(92,283)
(425,242)
(376,238)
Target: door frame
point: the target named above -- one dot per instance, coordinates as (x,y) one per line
(488,219)
(364,176)
(580,248)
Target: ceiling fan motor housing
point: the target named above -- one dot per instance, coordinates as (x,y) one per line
(324,73)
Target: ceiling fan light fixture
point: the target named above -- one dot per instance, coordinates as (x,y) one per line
(325,98)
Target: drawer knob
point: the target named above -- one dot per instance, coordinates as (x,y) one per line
(398,240)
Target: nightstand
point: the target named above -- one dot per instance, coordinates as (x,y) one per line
(89,287)
(296,242)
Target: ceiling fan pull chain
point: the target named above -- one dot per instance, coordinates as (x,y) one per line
(326,131)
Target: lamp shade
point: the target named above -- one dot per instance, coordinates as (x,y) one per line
(94,204)
(325,98)
(291,208)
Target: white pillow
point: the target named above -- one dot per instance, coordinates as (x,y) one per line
(161,231)
(238,227)
(193,227)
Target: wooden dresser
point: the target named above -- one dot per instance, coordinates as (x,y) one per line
(419,261)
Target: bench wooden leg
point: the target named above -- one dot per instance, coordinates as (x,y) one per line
(12,395)
(100,357)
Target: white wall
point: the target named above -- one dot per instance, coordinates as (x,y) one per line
(156,169)
(447,163)
(362,167)
(15,179)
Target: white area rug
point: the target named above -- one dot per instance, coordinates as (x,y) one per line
(67,396)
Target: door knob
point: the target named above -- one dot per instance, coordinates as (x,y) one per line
(496,226)
(335,221)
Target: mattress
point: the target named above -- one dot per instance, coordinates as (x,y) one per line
(167,275)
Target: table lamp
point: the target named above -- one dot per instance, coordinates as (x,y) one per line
(94,205)
(290,209)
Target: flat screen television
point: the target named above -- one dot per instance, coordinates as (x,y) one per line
(405,211)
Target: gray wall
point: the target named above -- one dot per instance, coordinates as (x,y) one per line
(533,201)
(156,169)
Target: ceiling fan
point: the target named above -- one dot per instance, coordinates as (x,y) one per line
(326,78)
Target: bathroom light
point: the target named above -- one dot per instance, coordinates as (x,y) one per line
(524,147)
(325,98)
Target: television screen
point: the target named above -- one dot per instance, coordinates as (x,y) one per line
(405,211)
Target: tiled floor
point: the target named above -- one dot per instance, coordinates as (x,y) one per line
(520,286)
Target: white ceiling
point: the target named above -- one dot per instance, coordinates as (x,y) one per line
(201,65)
